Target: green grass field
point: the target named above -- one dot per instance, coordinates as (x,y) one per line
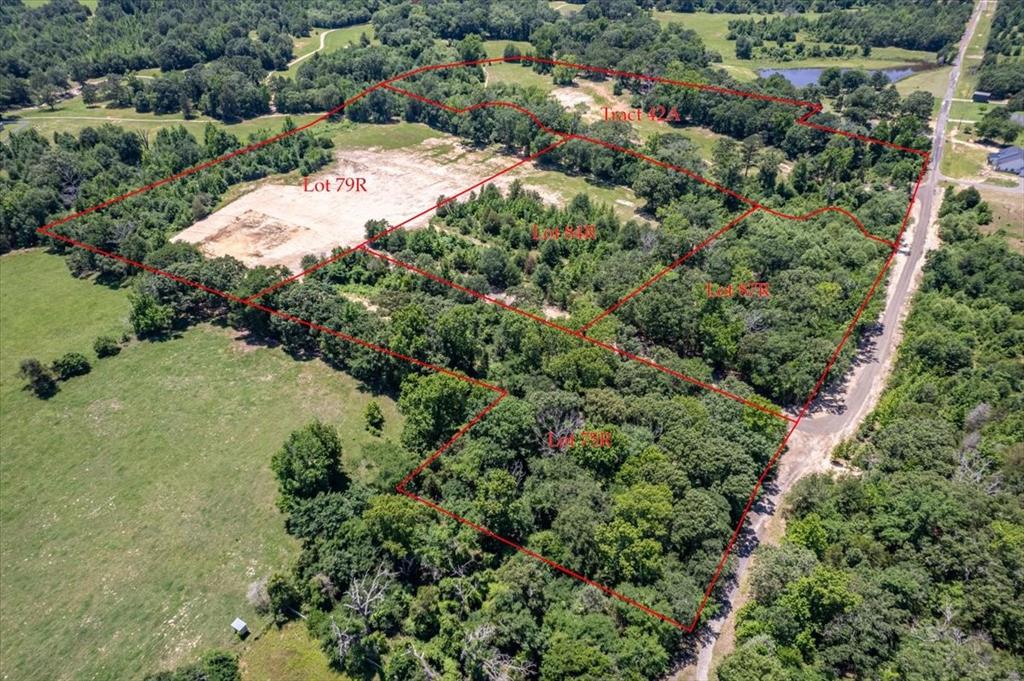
(496,48)
(713,29)
(969,111)
(564,8)
(570,185)
(336,39)
(933,81)
(72,115)
(961,159)
(518,74)
(286,654)
(137,504)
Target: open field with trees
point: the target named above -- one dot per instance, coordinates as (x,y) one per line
(138,502)
(336,39)
(608,452)
(714,31)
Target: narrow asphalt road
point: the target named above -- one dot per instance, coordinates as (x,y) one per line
(837,415)
(858,390)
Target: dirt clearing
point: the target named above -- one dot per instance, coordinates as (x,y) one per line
(277,224)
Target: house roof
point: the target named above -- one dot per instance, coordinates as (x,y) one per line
(238,624)
(1006,155)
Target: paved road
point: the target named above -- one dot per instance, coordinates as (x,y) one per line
(858,390)
(837,415)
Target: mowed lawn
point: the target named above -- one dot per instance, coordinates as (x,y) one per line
(137,504)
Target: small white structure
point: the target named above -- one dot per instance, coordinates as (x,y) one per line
(240,627)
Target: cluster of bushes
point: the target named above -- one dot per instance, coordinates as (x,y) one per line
(228,89)
(42,379)
(215,666)
(998,126)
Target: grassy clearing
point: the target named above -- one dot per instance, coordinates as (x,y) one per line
(519,75)
(336,39)
(496,48)
(72,115)
(565,8)
(622,199)
(969,111)
(963,161)
(138,504)
(713,29)
(1007,216)
(286,654)
(933,81)
(91,4)
(390,136)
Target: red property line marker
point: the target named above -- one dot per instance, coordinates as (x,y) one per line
(679,261)
(347,252)
(648,159)
(814,108)
(578,334)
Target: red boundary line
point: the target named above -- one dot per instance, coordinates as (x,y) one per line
(46,230)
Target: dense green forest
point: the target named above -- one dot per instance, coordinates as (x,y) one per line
(911,567)
(1002,69)
(44,48)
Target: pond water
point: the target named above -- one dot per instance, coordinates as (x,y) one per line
(803,77)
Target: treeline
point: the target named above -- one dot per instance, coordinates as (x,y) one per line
(46,47)
(910,24)
(42,181)
(1002,69)
(228,90)
(760,6)
(911,567)
(405,23)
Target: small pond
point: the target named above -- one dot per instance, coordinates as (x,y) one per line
(802,77)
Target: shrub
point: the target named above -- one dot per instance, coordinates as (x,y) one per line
(70,365)
(105,346)
(40,379)
(374,418)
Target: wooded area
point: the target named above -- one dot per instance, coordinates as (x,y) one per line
(911,567)
(913,559)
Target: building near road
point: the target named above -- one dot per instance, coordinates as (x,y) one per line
(1008,160)
(980,96)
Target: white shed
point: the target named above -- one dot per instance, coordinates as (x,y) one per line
(240,627)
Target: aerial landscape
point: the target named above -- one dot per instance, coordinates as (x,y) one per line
(434,339)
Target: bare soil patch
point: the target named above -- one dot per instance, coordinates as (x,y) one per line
(277,224)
